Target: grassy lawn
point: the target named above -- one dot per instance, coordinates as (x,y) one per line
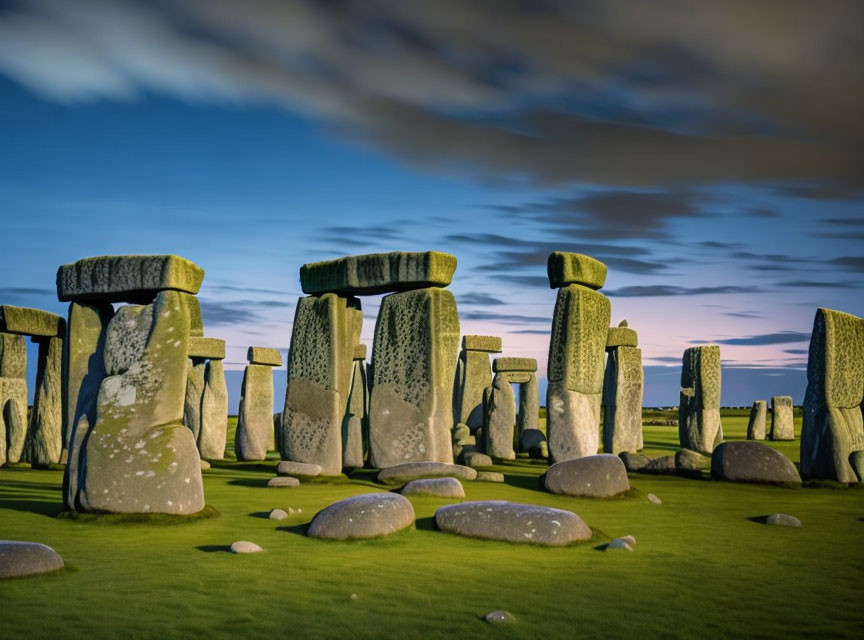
(701,568)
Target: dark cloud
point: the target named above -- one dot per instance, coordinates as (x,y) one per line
(536,332)
(797,352)
(219,314)
(714,244)
(763,212)
(479,298)
(506,318)
(626,93)
(821,191)
(26,291)
(651,291)
(781,337)
(743,314)
(670,359)
(849,263)
(818,284)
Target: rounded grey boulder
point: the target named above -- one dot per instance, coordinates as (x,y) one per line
(512,522)
(244,546)
(441,487)
(278,514)
(413,470)
(499,616)
(476,459)
(281,482)
(752,462)
(600,476)
(634,461)
(783,520)
(364,516)
(27,558)
(489,476)
(689,461)
(654,499)
(291,468)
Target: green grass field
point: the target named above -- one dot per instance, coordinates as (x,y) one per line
(702,568)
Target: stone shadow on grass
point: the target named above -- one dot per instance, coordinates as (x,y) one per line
(296,529)
(214,548)
(425,524)
(249,482)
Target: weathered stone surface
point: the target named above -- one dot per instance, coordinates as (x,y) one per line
(320,367)
(214,412)
(756,424)
(514,364)
(13,356)
(205,466)
(489,344)
(414,358)
(634,462)
(660,464)
(533,442)
(378,273)
(752,462)
(355,424)
(365,516)
(244,546)
(13,397)
(414,470)
(512,522)
(45,434)
(477,459)
(566,268)
(598,476)
(489,476)
(473,375)
(691,462)
(783,520)
(528,418)
(440,487)
(291,468)
(254,435)
(621,336)
(31,322)
(277,514)
(782,422)
(126,278)
(500,419)
(499,616)
(575,372)
(195,369)
(138,456)
(265,356)
(654,499)
(209,348)
(833,428)
(18,558)
(699,425)
(281,482)
(622,400)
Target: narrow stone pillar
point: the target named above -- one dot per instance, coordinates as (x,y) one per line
(756,424)
(195,369)
(832,437)
(355,427)
(500,418)
(207,397)
(254,435)
(575,370)
(13,397)
(474,375)
(45,434)
(622,391)
(782,421)
(699,426)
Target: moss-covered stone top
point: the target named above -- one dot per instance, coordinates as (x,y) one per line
(135,279)
(514,364)
(264,355)
(360,351)
(378,273)
(31,322)
(490,344)
(621,337)
(781,401)
(210,348)
(566,268)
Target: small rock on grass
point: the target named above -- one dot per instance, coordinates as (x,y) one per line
(281,482)
(783,520)
(205,466)
(244,546)
(278,514)
(499,616)
(620,544)
(489,476)
(654,499)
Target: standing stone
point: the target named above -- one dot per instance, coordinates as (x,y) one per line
(194,390)
(622,392)
(756,424)
(500,405)
(782,421)
(832,436)
(214,412)
(13,396)
(355,426)
(46,419)
(575,371)
(473,376)
(699,425)
(414,356)
(254,435)
(320,367)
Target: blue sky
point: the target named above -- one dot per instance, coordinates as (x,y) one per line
(721,184)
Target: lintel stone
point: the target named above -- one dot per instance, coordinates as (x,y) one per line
(514,364)
(566,268)
(263,355)
(360,351)
(621,337)
(490,344)
(209,348)
(31,322)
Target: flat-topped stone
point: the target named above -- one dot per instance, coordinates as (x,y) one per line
(18,558)
(291,468)
(283,482)
(360,351)
(621,337)
(599,476)
(566,268)
(500,365)
(31,322)
(264,355)
(209,348)
(414,470)
(489,476)
(365,516)
(489,344)
(513,522)
(752,462)
(439,487)
(126,278)
(378,273)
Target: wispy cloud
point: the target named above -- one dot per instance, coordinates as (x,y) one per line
(781,337)
(660,290)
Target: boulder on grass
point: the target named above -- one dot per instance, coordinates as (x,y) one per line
(783,520)
(440,487)
(689,461)
(414,470)
(365,516)
(291,468)
(280,482)
(634,462)
(27,558)
(599,476)
(752,462)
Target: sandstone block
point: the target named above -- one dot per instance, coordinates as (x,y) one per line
(254,435)
(500,419)
(209,348)
(264,355)
(439,487)
(213,436)
(489,344)
(291,468)
(756,423)
(45,435)
(31,322)
(782,422)
(415,470)
(598,476)
(699,425)
(622,400)
(566,268)
(514,364)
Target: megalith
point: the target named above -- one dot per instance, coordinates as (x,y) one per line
(209,406)
(254,435)
(832,436)
(355,427)
(782,421)
(129,451)
(505,429)
(576,348)
(623,386)
(756,424)
(473,375)
(699,425)
(13,397)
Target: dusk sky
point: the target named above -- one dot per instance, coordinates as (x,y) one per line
(710,153)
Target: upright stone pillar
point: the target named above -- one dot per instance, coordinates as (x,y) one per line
(254,435)
(474,374)
(782,421)
(756,424)
(211,405)
(622,391)
(575,371)
(355,427)
(195,368)
(699,425)
(504,428)
(13,397)
(832,436)
(131,453)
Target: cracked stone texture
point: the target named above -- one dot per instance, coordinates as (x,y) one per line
(134,279)
(513,522)
(264,355)
(213,436)
(31,322)
(500,419)
(622,400)
(254,434)
(621,337)
(374,273)
(566,268)
(752,462)
(138,456)
(364,516)
(209,348)
(782,424)
(194,390)
(414,358)
(474,374)
(575,372)
(833,428)
(45,434)
(756,424)
(320,367)
(699,426)
(598,476)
